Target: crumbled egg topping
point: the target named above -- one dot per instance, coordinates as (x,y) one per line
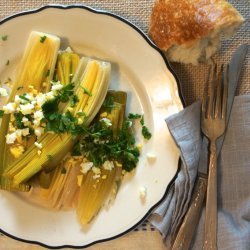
(151,157)
(86,166)
(30,106)
(9,108)
(38,145)
(96,170)
(17,150)
(108,165)
(143,192)
(106,121)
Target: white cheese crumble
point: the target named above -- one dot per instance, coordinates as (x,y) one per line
(3,92)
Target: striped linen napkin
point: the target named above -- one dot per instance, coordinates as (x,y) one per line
(233,178)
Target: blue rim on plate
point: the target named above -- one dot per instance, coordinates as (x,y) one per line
(101,12)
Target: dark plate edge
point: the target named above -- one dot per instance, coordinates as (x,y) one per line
(180,96)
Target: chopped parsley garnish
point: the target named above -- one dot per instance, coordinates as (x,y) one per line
(42,39)
(50,106)
(4,37)
(86,91)
(99,144)
(145,132)
(73,100)
(132,116)
(66,93)
(24,98)
(61,122)
(1,113)
(50,157)
(18,120)
(7,63)
(142,120)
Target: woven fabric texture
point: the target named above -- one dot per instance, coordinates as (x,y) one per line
(192,78)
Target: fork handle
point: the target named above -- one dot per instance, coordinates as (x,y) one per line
(210,239)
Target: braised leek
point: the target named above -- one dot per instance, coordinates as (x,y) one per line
(95,191)
(36,69)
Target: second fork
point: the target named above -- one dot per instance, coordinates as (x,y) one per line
(213,125)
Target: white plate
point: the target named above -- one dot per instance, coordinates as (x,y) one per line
(137,67)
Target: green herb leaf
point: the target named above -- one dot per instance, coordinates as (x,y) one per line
(50,106)
(66,92)
(24,98)
(1,113)
(73,100)
(142,120)
(145,132)
(132,116)
(42,39)
(4,37)
(18,120)
(7,63)
(50,157)
(86,91)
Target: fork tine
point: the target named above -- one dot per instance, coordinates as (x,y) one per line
(205,93)
(218,98)
(225,91)
(210,105)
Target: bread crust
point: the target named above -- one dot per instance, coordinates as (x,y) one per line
(183,22)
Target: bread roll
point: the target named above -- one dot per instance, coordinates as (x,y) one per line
(190,31)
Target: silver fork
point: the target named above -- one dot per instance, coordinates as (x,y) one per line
(213,123)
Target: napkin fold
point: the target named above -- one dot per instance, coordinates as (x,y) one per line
(233,178)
